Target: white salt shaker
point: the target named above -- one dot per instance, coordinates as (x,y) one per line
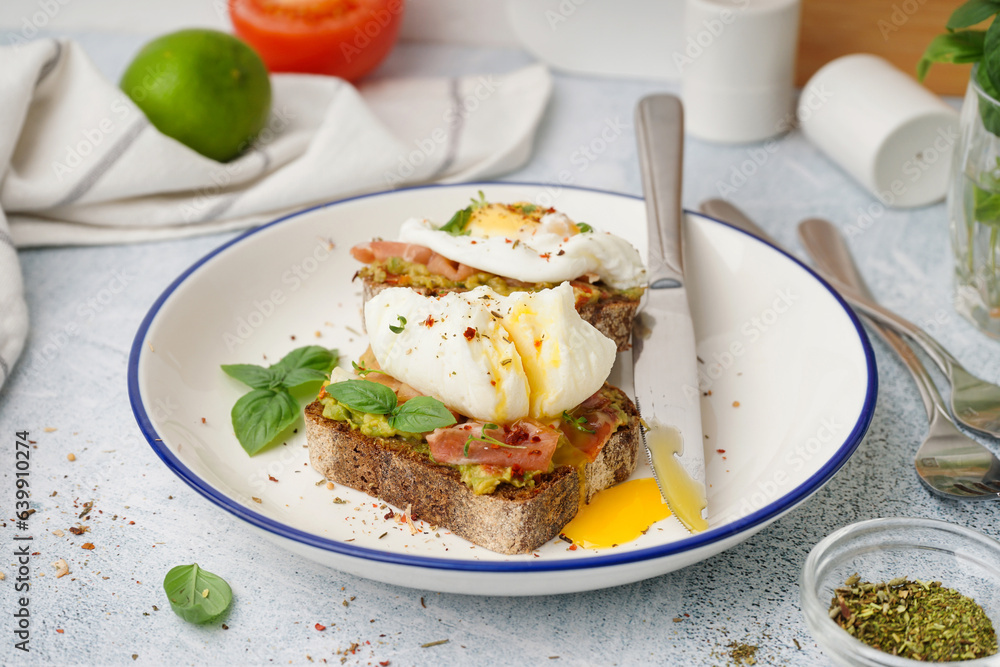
(883,128)
(737,67)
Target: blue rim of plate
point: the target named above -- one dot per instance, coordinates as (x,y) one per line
(759,518)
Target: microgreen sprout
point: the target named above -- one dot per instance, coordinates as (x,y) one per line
(579,423)
(488,439)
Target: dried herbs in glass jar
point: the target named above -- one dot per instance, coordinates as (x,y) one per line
(914,619)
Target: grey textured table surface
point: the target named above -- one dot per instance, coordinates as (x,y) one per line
(106,611)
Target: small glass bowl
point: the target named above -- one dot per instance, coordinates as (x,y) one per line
(883,549)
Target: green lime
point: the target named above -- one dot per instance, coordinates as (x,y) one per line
(207,89)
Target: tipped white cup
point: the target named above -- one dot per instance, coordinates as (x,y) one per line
(737,66)
(883,128)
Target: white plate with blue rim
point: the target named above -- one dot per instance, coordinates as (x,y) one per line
(788,383)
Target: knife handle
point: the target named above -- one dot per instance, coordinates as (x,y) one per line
(660,132)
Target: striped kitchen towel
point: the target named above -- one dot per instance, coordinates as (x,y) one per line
(81,164)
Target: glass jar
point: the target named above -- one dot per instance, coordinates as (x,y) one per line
(882,549)
(974,209)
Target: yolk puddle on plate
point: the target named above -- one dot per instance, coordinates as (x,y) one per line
(617,515)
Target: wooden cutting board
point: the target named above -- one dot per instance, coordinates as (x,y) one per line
(897,30)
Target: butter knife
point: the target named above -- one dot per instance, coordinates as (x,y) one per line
(663,346)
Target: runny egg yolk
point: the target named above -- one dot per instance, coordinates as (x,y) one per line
(617,515)
(512,222)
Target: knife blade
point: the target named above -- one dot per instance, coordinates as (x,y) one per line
(663,347)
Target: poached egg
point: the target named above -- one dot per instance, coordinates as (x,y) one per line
(491,357)
(529,244)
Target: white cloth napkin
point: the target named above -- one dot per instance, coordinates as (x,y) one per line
(81,164)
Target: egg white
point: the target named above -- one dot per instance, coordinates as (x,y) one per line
(565,358)
(540,253)
(491,357)
(479,376)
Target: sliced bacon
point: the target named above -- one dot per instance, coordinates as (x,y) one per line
(600,418)
(403,391)
(450,269)
(376,251)
(535,444)
(596,401)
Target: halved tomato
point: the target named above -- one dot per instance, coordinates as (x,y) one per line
(345,38)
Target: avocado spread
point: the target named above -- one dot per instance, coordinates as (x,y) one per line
(482,479)
(402,273)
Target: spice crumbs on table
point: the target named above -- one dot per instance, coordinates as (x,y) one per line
(71,457)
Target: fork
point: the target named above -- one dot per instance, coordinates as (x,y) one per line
(946,452)
(975,403)
(948,462)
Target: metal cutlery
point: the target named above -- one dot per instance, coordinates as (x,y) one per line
(663,348)
(975,403)
(948,462)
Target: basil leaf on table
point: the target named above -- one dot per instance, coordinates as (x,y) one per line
(972,12)
(196,595)
(364,396)
(421,414)
(258,417)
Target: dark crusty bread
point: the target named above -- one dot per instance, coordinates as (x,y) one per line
(509,520)
(612,317)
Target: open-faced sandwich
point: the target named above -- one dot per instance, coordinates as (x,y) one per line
(488,415)
(511,248)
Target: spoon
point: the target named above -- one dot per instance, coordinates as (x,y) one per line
(948,462)
(974,402)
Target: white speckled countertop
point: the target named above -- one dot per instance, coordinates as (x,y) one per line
(105,611)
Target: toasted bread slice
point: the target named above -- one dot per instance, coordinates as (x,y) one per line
(510,520)
(612,317)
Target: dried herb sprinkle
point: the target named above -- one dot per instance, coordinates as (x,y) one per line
(916,619)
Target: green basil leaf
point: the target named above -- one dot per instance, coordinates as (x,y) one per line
(457,224)
(253,376)
(310,356)
(364,396)
(258,417)
(302,376)
(991,53)
(987,110)
(963,46)
(972,12)
(986,206)
(420,415)
(186,585)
